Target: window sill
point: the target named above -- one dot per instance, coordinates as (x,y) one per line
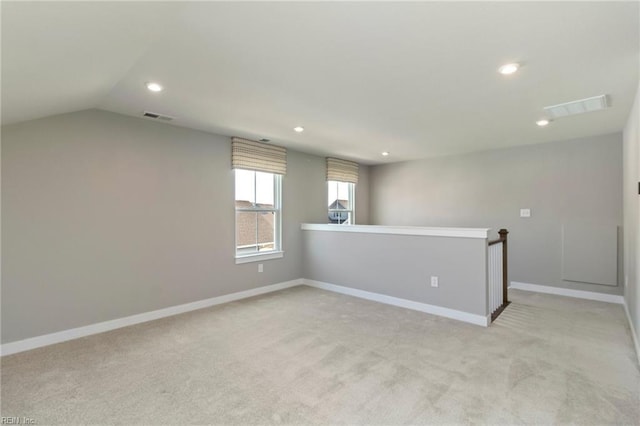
(259,257)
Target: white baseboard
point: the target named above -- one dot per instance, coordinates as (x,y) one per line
(101,327)
(403,303)
(634,333)
(579,294)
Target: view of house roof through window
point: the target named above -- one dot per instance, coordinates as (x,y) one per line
(340,202)
(257,208)
(254,230)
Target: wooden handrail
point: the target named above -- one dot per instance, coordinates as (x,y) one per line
(503,237)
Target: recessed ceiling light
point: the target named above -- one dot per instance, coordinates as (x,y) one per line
(543,122)
(299,129)
(154,87)
(507,69)
(385,154)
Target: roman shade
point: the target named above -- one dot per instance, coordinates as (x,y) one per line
(342,170)
(258,156)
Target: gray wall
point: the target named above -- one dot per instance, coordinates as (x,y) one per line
(632,215)
(576,181)
(401,266)
(106,216)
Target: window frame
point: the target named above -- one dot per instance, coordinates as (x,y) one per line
(277,252)
(351,212)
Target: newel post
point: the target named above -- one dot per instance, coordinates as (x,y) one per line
(503,237)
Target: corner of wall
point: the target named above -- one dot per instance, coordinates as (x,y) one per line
(362,196)
(631,220)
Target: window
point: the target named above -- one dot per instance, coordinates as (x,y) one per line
(340,202)
(259,168)
(342,176)
(258,213)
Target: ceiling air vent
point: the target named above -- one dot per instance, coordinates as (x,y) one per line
(595,103)
(157,116)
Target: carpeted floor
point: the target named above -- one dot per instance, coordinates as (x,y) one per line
(308,356)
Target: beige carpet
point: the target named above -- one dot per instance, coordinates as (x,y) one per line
(307,356)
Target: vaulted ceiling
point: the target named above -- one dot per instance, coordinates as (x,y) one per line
(414,79)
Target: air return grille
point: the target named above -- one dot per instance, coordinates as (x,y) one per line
(156,116)
(581,106)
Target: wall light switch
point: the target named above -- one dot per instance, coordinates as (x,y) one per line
(525,212)
(434,281)
(260,267)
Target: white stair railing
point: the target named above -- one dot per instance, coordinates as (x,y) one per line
(495,277)
(497,268)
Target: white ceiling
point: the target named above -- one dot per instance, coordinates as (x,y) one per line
(415,79)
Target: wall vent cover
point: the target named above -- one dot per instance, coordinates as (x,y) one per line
(156,116)
(595,103)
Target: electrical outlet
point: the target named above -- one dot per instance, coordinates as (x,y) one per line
(260,267)
(525,212)
(434,281)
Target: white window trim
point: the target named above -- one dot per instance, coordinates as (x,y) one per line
(271,254)
(352,199)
